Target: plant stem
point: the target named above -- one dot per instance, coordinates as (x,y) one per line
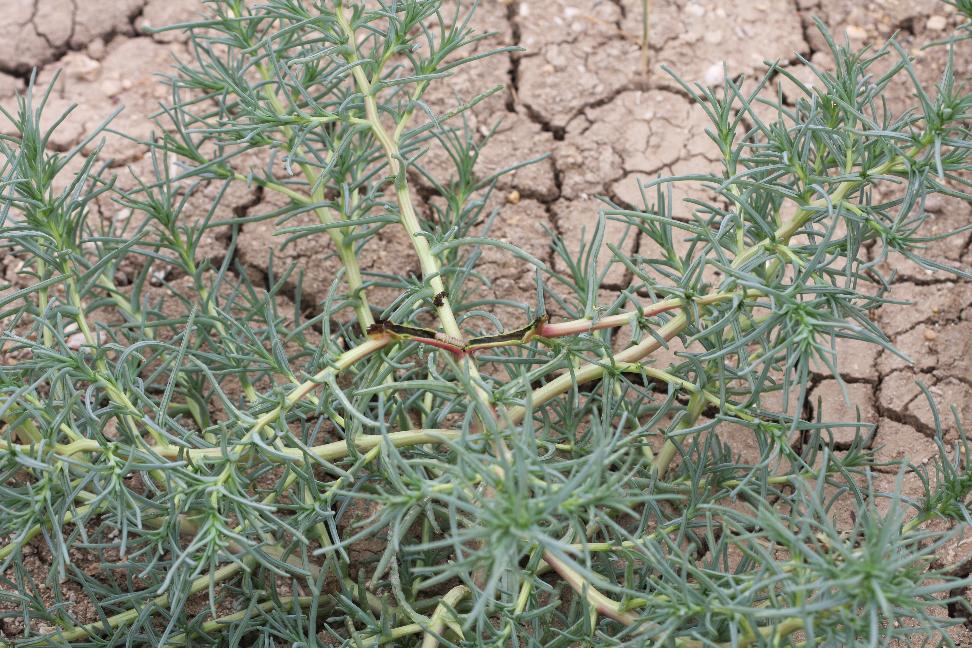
(778,632)
(345,360)
(331,451)
(218,624)
(692,413)
(443,611)
(786,231)
(337,235)
(586,325)
(392,634)
(645,24)
(409,219)
(326,452)
(112,388)
(128,616)
(31,533)
(601,603)
(591,372)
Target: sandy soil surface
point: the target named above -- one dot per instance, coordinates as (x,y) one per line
(579,80)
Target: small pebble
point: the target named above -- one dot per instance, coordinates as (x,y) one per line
(856,33)
(936,23)
(930,334)
(96,49)
(111,87)
(85,68)
(714,75)
(695,10)
(76,340)
(513,197)
(934,203)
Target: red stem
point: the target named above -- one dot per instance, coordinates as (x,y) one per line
(457,351)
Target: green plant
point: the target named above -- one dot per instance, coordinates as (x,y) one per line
(535,482)
(964,7)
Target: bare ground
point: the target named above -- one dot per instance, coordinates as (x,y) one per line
(579,93)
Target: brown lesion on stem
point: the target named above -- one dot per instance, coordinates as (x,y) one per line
(540,328)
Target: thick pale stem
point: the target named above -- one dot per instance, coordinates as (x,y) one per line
(786,231)
(112,389)
(128,616)
(440,617)
(408,216)
(326,452)
(345,360)
(598,601)
(586,374)
(330,451)
(337,235)
(775,634)
(391,635)
(43,301)
(692,413)
(31,533)
(584,325)
(216,625)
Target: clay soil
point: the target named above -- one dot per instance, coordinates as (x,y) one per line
(578,92)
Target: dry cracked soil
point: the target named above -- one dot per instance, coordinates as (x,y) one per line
(580,93)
